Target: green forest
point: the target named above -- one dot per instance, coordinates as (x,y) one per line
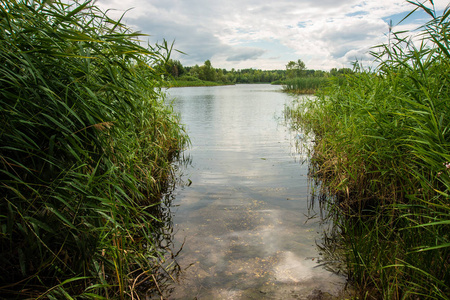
(295,77)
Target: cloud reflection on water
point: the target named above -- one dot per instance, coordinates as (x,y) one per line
(243,218)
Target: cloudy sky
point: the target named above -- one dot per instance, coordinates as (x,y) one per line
(266,34)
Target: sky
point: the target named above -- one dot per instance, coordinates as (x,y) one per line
(267,34)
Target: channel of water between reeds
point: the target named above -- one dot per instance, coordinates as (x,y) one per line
(244,221)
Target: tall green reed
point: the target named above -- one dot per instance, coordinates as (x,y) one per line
(304,85)
(382,151)
(86,145)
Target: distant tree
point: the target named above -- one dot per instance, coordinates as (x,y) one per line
(308,73)
(195,71)
(341,71)
(334,72)
(220,76)
(345,71)
(295,69)
(174,68)
(207,72)
(319,73)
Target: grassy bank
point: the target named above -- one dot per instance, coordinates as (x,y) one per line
(198,82)
(86,145)
(382,153)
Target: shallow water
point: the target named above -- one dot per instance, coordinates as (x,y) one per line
(243,218)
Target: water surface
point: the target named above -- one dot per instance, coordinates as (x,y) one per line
(243,220)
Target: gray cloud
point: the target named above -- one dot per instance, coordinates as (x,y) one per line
(246,54)
(194,40)
(241,34)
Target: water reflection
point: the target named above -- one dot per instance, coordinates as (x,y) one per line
(158,282)
(243,221)
(330,241)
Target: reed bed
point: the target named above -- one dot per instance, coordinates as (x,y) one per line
(304,85)
(86,151)
(382,153)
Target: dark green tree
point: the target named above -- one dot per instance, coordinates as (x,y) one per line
(174,68)
(207,72)
(295,69)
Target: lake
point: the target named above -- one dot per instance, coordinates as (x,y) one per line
(243,222)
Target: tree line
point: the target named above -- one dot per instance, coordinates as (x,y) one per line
(207,72)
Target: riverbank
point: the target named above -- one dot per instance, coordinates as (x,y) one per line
(87,149)
(381,155)
(193,83)
(198,82)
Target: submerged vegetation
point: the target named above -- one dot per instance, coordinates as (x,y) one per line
(86,145)
(382,153)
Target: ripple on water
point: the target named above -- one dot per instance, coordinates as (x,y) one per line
(243,217)
(249,250)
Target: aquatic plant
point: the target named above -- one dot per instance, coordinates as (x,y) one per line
(381,152)
(86,144)
(304,85)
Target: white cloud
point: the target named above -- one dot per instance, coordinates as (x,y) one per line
(266,34)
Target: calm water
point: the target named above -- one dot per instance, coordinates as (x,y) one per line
(242,220)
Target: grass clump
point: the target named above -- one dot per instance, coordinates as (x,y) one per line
(304,85)
(86,145)
(382,152)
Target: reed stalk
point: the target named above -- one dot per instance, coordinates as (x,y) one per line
(86,145)
(304,85)
(382,155)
